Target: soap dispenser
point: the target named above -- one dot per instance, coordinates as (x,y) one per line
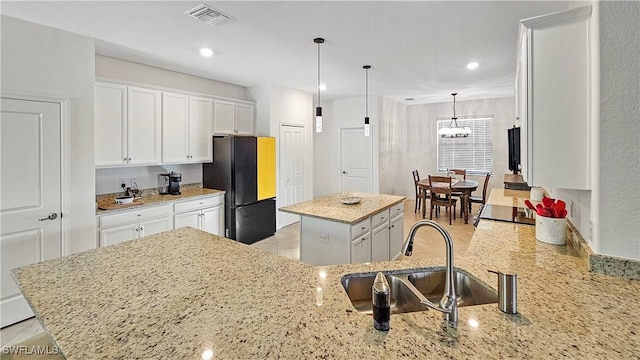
(507,292)
(381,299)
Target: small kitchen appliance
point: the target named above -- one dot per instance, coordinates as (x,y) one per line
(171,183)
(514,214)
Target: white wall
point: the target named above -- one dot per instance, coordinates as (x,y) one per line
(340,114)
(108,180)
(618,198)
(276,106)
(130,71)
(399,147)
(147,176)
(410,143)
(325,152)
(46,62)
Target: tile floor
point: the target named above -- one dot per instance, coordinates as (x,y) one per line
(286,242)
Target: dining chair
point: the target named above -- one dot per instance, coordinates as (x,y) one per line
(463,173)
(481,200)
(440,187)
(460,172)
(419,194)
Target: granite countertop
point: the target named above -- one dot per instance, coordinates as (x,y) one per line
(157,199)
(329,207)
(183,293)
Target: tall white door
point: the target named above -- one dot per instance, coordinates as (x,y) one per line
(291,170)
(355,160)
(30,196)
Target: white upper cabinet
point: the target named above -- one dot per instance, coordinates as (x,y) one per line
(141,126)
(553,99)
(244,119)
(110,108)
(200,129)
(175,125)
(233,118)
(145,121)
(127,125)
(187,126)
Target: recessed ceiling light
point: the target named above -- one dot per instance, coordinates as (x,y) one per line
(322,87)
(472,65)
(206,52)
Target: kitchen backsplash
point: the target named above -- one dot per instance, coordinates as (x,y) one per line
(147,177)
(146,192)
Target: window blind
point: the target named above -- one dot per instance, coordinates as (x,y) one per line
(473,153)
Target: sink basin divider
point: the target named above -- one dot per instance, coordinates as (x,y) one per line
(423,300)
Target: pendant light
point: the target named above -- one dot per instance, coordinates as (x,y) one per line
(366,100)
(318,107)
(454,131)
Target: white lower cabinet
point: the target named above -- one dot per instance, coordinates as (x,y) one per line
(376,238)
(361,249)
(208,214)
(380,242)
(396,236)
(129,225)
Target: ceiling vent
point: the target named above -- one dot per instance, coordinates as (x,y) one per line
(207,14)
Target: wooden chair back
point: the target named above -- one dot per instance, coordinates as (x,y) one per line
(460,172)
(484,190)
(440,187)
(416,178)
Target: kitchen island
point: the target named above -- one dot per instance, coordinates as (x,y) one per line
(185,293)
(369,228)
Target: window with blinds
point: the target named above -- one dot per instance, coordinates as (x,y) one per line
(473,153)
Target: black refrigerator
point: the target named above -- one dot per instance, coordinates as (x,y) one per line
(244,167)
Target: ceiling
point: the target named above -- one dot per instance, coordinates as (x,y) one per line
(417,49)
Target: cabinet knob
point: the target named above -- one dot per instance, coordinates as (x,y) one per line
(363,228)
(141,228)
(128,159)
(138,214)
(125,159)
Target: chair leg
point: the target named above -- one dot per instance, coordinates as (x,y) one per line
(454,214)
(415,209)
(431,212)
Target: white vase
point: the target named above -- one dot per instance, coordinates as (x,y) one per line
(551,230)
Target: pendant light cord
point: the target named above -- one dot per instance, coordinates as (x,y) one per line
(318,74)
(366,92)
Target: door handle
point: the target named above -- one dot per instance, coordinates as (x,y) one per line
(51,216)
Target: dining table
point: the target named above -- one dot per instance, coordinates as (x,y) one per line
(463,186)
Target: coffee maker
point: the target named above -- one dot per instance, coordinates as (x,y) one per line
(171,183)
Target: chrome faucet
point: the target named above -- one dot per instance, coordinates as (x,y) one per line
(449,303)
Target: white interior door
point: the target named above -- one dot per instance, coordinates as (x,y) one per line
(291,170)
(30,197)
(355,160)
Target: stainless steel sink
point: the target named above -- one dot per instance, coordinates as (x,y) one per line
(430,282)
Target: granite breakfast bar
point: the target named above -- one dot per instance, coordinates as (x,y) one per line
(184,294)
(367,229)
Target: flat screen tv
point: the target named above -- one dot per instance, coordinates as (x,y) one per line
(514,149)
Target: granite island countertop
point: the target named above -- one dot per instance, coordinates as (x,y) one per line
(178,294)
(330,207)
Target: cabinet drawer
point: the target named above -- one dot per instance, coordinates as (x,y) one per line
(396,210)
(197,204)
(360,228)
(134,216)
(379,218)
